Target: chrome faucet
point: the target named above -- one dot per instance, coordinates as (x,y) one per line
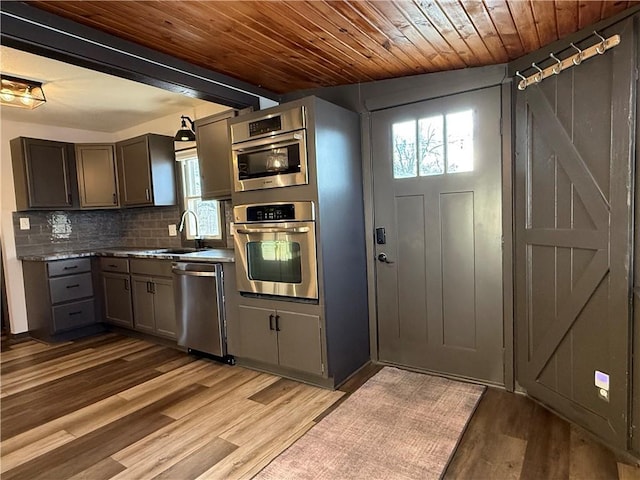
(195,217)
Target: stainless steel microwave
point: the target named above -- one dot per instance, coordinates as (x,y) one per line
(270,151)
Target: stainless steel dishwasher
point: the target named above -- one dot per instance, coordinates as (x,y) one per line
(199,295)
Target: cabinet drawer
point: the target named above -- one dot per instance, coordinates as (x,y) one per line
(113,264)
(154,268)
(67,267)
(73,315)
(68,288)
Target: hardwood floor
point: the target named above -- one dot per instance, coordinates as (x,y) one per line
(112,407)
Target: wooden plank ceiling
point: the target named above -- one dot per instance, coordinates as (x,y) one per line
(292,45)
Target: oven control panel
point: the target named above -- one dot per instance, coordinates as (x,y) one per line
(274,212)
(265,213)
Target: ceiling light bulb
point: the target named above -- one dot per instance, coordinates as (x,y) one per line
(27,99)
(7,95)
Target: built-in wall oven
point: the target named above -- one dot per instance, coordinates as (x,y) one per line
(276,249)
(271,151)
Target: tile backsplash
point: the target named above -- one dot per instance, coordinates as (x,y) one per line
(61,231)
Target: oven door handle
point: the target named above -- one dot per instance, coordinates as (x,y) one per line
(273,230)
(261,143)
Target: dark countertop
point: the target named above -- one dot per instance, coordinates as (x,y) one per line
(213,255)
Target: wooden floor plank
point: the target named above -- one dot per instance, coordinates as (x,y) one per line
(20,380)
(274,391)
(199,461)
(589,459)
(91,414)
(52,352)
(103,470)
(548,447)
(235,387)
(254,455)
(75,391)
(35,449)
(84,452)
(24,349)
(177,441)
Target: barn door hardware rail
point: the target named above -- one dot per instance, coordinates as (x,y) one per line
(576,59)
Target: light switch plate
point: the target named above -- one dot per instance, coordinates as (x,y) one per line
(24,223)
(173,232)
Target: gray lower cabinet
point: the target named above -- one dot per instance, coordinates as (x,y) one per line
(59,298)
(143,304)
(117,299)
(152,296)
(116,289)
(280,337)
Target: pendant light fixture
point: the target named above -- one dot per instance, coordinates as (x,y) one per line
(186,134)
(20,92)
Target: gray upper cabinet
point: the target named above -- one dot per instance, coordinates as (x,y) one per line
(44,174)
(97,182)
(146,171)
(214,155)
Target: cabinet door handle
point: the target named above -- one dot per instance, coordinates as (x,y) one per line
(152,285)
(115,199)
(113,266)
(75,313)
(271,322)
(75,285)
(277,323)
(126,284)
(69,201)
(147,193)
(70,268)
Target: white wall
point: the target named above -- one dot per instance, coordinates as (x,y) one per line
(8,129)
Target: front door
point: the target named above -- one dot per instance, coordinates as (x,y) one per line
(574,164)
(437,195)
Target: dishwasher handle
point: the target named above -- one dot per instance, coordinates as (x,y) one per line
(191,273)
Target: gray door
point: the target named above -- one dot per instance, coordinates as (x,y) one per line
(573,240)
(437,184)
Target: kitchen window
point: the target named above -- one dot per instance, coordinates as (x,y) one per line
(209,212)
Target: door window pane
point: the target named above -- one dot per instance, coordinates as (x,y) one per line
(274,261)
(460,142)
(404,150)
(431,142)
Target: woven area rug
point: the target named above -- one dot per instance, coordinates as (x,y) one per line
(398,425)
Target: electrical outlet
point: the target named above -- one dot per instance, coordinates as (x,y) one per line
(173,232)
(24,223)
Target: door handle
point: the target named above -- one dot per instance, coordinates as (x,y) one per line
(271,322)
(126,284)
(277,323)
(383,258)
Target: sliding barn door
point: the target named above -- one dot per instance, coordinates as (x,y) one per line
(574,214)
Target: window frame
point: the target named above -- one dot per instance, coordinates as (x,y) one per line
(182,157)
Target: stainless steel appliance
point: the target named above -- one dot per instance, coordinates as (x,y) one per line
(276,249)
(200,317)
(270,151)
